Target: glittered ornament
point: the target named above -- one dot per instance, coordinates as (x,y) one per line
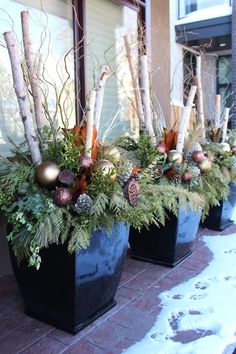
(194,147)
(131,192)
(187,177)
(111,152)
(195,170)
(232,141)
(175,156)
(66,177)
(198,156)
(46,173)
(161,149)
(86,161)
(63,196)
(157,171)
(225,147)
(83,204)
(107,168)
(204,165)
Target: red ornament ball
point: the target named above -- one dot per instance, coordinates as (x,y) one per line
(63,196)
(198,156)
(187,177)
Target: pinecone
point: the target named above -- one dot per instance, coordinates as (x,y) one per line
(66,177)
(131,192)
(157,171)
(86,161)
(63,196)
(177,179)
(124,176)
(84,204)
(194,147)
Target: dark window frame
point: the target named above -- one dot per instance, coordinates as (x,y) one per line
(79,16)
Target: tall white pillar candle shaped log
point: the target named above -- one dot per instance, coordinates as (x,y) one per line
(21,93)
(135,79)
(90,123)
(145,92)
(200,106)
(217,111)
(184,119)
(225,123)
(104,74)
(31,66)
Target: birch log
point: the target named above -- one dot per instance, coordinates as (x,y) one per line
(145,91)
(90,123)
(32,71)
(198,80)
(135,79)
(104,74)
(225,123)
(184,119)
(21,93)
(217,111)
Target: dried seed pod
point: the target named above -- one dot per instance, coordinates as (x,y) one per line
(131,191)
(66,177)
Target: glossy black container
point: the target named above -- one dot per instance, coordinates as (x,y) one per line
(166,245)
(220,216)
(71,291)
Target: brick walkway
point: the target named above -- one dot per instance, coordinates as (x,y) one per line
(137,308)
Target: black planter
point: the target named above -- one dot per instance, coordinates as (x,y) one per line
(71,291)
(166,245)
(220,216)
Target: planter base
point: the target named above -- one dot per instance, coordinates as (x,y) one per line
(70,291)
(220,216)
(163,263)
(71,329)
(166,245)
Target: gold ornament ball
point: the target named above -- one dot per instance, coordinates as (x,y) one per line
(175,157)
(225,147)
(204,165)
(113,152)
(106,167)
(46,173)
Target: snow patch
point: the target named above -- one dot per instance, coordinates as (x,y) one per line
(206,14)
(204,305)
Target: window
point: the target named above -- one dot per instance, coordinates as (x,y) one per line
(188,6)
(224,79)
(52,32)
(107,23)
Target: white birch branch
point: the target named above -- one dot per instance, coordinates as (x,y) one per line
(134,77)
(90,123)
(104,74)
(32,71)
(184,119)
(21,93)
(198,80)
(225,123)
(217,111)
(145,91)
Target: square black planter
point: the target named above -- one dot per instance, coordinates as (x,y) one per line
(166,245)
(70,291)
(220,216)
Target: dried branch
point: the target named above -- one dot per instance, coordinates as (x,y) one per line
(104,74)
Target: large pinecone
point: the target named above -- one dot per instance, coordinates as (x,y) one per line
(63,196)
(84,204)
(125,174)
(131,191)
(194,147)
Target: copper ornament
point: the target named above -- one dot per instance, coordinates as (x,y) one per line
(106,167)
(46,173)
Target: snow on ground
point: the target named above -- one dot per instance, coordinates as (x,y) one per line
(205,302)
(206,14)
